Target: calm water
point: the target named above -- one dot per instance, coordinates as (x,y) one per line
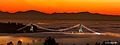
(6,39)
(38,38)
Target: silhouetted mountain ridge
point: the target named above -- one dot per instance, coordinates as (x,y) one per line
(32,14)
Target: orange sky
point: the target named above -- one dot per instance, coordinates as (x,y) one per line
(51,6)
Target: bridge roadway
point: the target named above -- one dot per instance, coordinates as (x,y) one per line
(73,33)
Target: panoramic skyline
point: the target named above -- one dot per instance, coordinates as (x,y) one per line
(50,6)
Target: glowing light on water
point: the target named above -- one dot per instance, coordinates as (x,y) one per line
(1,37)
(21,40)
(98,33)
(72,32)
(113,34)
(6,39)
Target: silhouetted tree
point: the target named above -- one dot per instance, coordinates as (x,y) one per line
(97,43)
(103,43)
(74,44)
(9,43)
(19,43)
(118,43)
(87,44)
(50,41)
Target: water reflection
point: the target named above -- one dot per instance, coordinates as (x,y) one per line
(68,39)
(6,39)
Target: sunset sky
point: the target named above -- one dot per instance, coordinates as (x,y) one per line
(51,6)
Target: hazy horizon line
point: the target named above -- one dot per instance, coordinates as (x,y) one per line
(59,12)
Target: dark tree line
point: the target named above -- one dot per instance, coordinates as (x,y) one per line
(13,28)
(50,41)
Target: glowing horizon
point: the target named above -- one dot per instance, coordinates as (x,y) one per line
(51,6)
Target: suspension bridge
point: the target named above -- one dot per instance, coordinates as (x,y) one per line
(80,30)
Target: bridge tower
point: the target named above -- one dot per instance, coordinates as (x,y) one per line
(81,29)
(32,28)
